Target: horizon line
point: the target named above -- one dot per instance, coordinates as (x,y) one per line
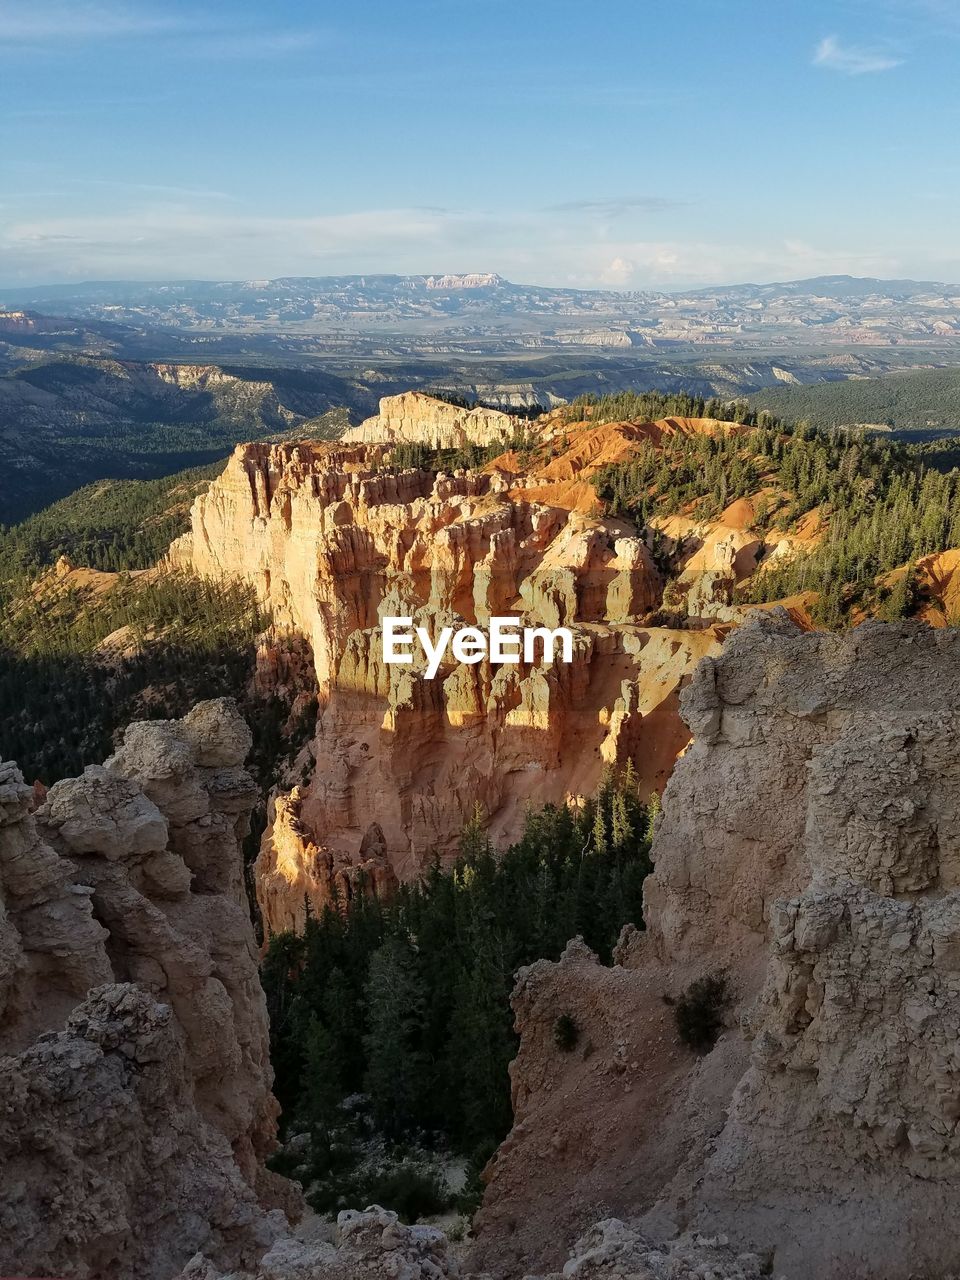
(128,282)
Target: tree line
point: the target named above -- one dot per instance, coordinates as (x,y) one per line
(882,506)
(109,525)
(64,699)
(406,1001)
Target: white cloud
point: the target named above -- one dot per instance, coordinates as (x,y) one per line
(618,272)
(616,206)
(852,60)
(43,22)
(172,238)
(52,23)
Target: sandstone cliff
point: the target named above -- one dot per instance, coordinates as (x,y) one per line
(135,1103)
(333,542)
(415,418)
(809,845)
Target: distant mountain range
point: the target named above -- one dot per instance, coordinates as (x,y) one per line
(137,379)
(485,308)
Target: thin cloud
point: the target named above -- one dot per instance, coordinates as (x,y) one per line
(62,23)
(852,60)
(154,188)
(161,242)
(616,206)
(202,34)
(254,44)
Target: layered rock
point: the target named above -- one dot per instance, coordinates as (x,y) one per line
(135,1103)
(810,846)
(615,1250)
(333,543)
(415,418)
(295,876)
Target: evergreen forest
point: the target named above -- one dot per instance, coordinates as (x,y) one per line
(391,1023)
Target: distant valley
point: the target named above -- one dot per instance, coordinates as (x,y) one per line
(827,309)
(64,422)
(137,380)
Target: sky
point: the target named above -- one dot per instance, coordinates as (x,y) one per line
(629,144)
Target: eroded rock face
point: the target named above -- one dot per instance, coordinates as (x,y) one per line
(295,876)
(373,1245)
(333,542)
(135,1103)
(414,418)
(809,845)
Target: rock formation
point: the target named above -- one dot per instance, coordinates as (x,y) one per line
(333,541)
(810,846)
(415,418)
(370,1245)
(373,1245)
(294,874)
(135,1103)
(614,1250)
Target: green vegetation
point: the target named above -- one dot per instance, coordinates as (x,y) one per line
(124,450)
(471,457)
(649,406)
(913,400)
(110,525)
(409,999)
(64,695)
(882,506)
(703,473)
(566,1033)
(124,421)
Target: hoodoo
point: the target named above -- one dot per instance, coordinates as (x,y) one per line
(135,1103)
(334,541)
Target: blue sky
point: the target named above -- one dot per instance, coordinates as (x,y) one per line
(629,143)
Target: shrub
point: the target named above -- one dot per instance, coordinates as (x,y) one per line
(468,1201)
(410,1190)
(699,1011)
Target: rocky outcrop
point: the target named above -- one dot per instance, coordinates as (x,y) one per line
(415,418)
(373,1245)
(614,1250)
(296,877)
(333,542)
(369,1245)
(810,846)
(473,280)
(135,1103)
(23,322)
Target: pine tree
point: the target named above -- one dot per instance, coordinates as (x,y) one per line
(481,1043)
(396,1076)
(599,829)
(320,1090)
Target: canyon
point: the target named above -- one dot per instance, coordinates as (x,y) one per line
(808,848)
(333,540)
(805,858)
(815,1140)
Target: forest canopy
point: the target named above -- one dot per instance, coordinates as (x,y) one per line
(407,1001)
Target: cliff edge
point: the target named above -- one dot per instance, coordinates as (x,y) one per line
(809,847)
(135,1095)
